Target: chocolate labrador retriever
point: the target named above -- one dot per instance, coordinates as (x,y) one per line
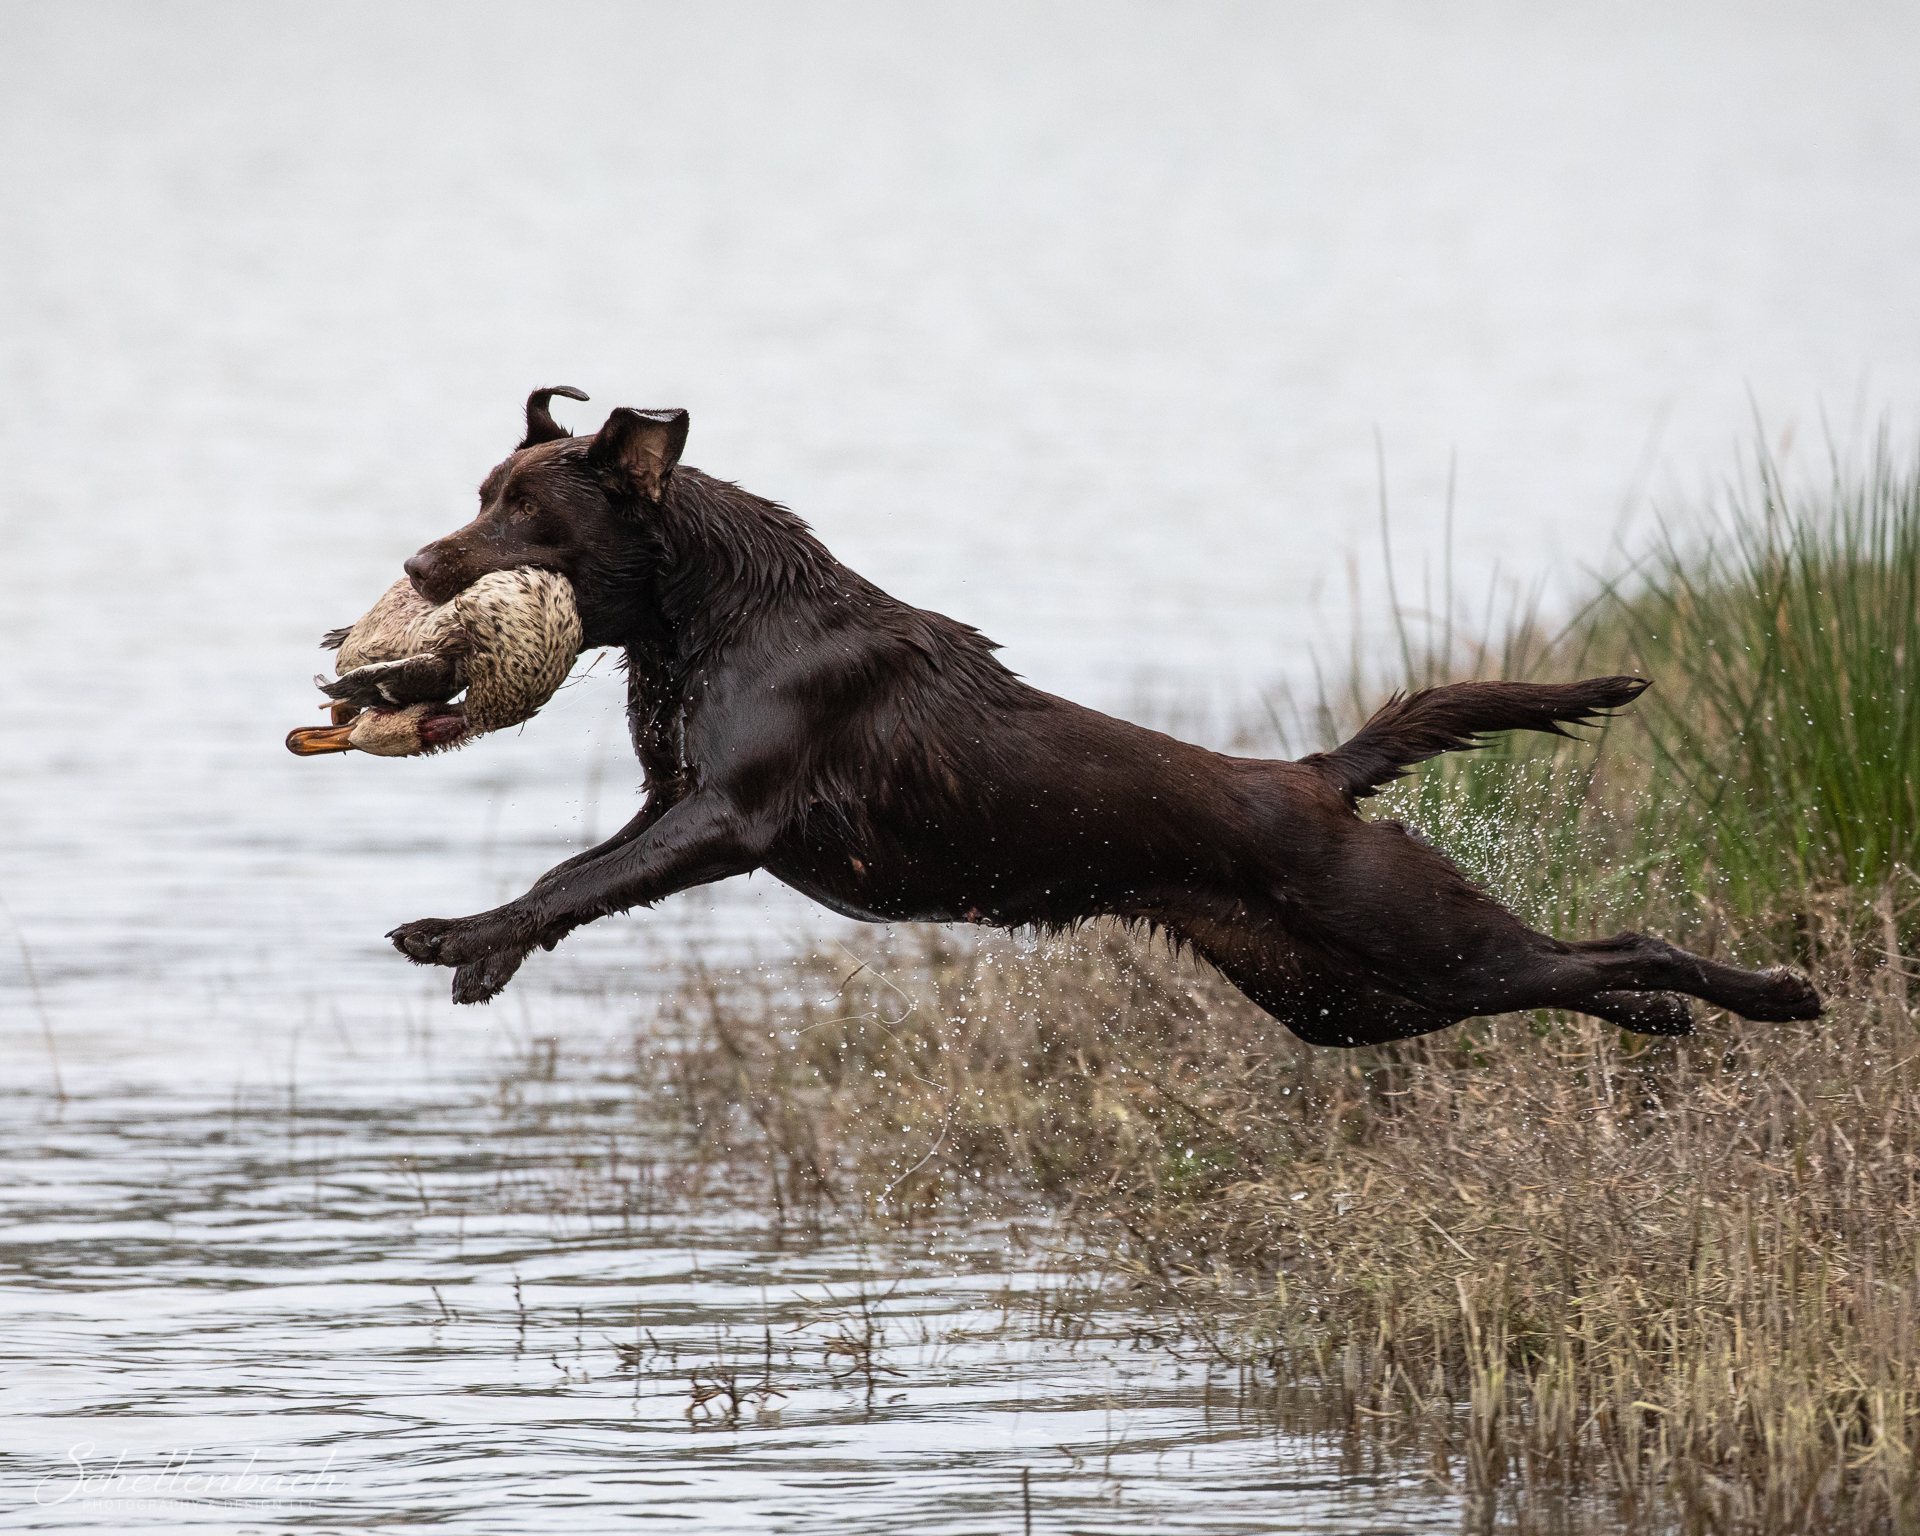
(792,717)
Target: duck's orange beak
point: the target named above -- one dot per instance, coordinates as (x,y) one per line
(314,740)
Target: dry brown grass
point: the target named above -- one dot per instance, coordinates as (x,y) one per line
(1675,1276)
(1669,1284)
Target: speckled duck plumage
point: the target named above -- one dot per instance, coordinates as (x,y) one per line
(509,640)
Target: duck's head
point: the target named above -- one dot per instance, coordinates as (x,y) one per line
(412,731)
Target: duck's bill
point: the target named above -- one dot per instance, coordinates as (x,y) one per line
(315,740)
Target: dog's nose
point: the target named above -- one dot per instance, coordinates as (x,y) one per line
(419,569)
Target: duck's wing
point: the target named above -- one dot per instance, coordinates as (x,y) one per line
(429,678)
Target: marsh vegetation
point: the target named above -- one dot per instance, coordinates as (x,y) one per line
(1667,1283)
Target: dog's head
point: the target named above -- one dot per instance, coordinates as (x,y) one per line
(561,503)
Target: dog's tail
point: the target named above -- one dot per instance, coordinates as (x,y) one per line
(1410,728)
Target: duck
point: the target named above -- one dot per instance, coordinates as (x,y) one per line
(507,641)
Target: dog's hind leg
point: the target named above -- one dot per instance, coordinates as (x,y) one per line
(1328,1009)
(1640,963)
(1392,915)
(1630,979)
(1319,1003)
(1324,1005)
(1403,915)
(1645,1013)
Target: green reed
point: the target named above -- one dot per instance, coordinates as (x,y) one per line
(1785,644)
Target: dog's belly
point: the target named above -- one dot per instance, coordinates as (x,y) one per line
(885,883)
(878,889)
(1039,856)
(867,910)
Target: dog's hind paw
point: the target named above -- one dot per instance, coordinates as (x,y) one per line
(481,981)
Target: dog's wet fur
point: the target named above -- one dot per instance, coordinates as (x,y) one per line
(792,717)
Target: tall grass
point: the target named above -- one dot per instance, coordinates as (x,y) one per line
(1786,645)
(1670,1283)
(1774,764)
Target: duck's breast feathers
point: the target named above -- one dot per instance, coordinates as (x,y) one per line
(524,629)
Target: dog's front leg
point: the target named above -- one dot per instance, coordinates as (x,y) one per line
(702,839)
(656,805)
(480,981)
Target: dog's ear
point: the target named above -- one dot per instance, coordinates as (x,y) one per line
(636,450)
(541,427)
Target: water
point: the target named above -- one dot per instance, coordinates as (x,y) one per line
(353,1311)
(1099,327)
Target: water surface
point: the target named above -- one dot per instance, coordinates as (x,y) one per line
(389,1304)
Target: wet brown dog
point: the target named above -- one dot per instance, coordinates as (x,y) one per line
(792,717)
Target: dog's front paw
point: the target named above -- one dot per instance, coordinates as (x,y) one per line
(422,941)
(481,981)
(455,940)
